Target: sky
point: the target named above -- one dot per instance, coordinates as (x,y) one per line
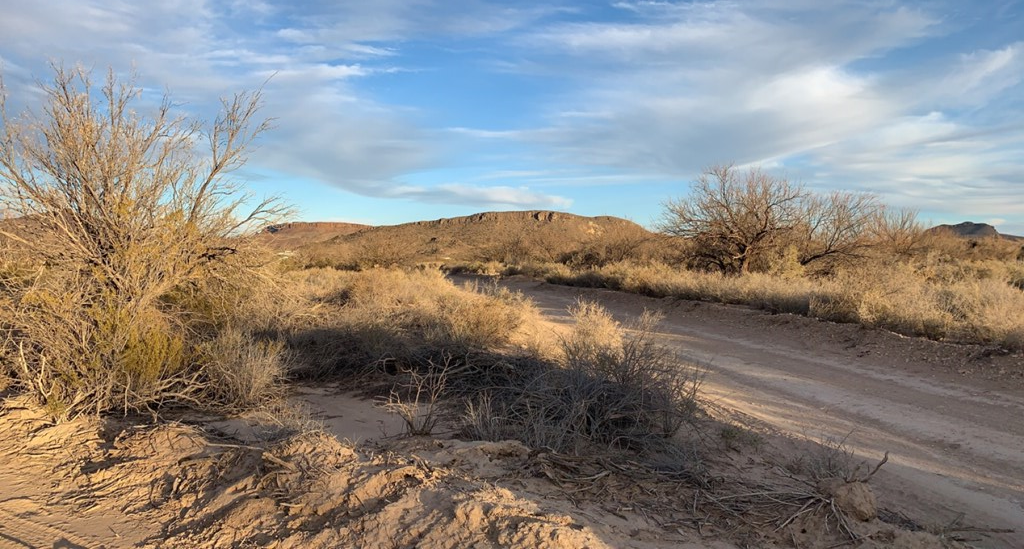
(389,111)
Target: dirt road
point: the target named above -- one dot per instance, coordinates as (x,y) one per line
(950,416)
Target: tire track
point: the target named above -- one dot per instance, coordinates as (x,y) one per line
(18,532)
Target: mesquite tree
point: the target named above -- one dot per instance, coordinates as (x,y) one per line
(732,217)
(735,217)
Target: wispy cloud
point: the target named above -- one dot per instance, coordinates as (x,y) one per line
(904,99)
(325,126)
(801,86)
(459,193)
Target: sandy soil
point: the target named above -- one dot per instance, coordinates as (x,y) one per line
(182,485)
(949,415)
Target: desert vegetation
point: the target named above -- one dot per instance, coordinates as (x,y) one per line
(739,237)
(479,348)
(128,263)
(752,239)
(133,284)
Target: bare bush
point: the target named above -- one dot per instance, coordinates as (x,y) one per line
(615,390)
(124,212)
(523,247)
(897,231)
(617,246)
(417,399)
(833,459)
(835,227)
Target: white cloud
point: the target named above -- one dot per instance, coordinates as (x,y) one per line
(325,128)
(982,74)
(668,88)
(459,193)
(801,86)
(314,73)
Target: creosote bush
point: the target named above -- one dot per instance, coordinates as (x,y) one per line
(124,218)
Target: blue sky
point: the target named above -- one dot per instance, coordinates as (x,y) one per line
(398,110)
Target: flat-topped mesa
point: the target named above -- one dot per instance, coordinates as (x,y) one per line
(534,235)
(541,216)
(315,225)
(969,229)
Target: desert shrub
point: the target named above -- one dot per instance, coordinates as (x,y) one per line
(523,247)
(614,390)
(945,243)
(585,278)
(489,268)
(596,341)
(615,247)
(934,296)
(407,318)
(919,300)
(418,399)
(1016,278)
(547,271)
(481,316)
(242,370)
(128,219)
(381,249)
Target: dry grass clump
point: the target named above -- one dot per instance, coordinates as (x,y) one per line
(488,268)
(974,302)
(397,318)
(608,386)
(771,292)
(912,300)
(244,371)
(615,389)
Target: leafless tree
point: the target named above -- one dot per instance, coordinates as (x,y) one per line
(734,216)
(835,226)
(897,230)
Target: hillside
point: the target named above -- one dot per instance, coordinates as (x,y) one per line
(969,229)
(499,236)
(287,236)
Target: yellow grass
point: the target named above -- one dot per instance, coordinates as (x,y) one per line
(976,302)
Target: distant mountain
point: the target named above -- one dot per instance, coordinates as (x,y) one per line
(969,229)
(488,235)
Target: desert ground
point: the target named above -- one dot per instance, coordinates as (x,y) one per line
(770,366)
(946,415)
